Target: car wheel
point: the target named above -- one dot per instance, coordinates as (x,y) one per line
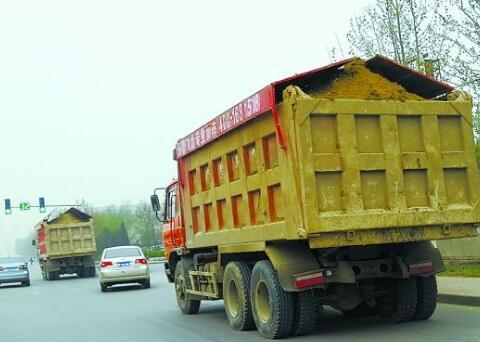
(103,287)
(26,283)
(146,284)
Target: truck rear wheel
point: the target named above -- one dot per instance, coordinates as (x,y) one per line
(236,294)
(426,297)
(186,304)
(401,303)
(304,313)
(272,306)
(86,272)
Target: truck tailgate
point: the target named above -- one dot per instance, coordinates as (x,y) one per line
(69,239)
(369,165)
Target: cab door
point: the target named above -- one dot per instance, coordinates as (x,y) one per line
(173,230)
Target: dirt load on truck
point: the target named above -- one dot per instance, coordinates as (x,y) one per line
(324,188)
(66,244)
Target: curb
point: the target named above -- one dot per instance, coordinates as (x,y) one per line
(157,261)
(458,299)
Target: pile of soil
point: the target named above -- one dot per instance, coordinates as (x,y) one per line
(356,81)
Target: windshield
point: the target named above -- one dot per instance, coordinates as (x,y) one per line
(10,260)
(122,252)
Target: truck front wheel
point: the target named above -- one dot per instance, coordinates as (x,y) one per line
(236,294)
(271,305)
(426,297)
(182,282)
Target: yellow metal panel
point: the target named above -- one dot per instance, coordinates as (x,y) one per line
(387,178)
(69,239)
(349,166)
(237,188)
(392,235)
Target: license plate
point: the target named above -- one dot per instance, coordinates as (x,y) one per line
(11,270)
(124,264)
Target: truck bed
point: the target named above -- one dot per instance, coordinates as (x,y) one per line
(342,172)
(70,234)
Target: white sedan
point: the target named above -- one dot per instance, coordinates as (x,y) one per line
(123,265)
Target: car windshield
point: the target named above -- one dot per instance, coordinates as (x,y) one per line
(122,252)
(10,260)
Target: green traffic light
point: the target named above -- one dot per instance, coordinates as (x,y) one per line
(8,211)
(43,209)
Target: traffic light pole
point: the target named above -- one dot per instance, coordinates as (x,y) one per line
(24,206)
(51,205)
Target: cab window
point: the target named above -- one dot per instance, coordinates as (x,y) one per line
(171,202)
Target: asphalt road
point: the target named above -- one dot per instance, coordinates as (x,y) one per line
(74,309)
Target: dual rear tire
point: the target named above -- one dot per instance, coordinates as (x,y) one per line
(236,295)
(410,299)
(255,298)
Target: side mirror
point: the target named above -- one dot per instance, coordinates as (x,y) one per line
(155,203)
(34,243)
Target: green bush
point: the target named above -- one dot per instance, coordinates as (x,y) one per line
(154,253)
(461,269)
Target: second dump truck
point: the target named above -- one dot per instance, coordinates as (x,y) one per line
(66,244)
(324,188)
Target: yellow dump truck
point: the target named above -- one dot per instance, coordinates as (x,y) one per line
(66,244)
(324,188)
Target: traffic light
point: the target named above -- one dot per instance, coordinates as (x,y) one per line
(41,204)
(8,206)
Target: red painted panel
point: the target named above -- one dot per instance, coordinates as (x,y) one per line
(41,245)
(246,110)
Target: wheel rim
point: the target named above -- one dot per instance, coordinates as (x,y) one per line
(233,300)
(262,302)
(180,289)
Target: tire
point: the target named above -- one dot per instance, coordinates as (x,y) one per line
(186,304)
(426,297)
(272,307)
(146,284)
(103,287)
(236,294)
(362,310)
(305,313)
(90,272)
(26,283)
(52,275)
(400,305)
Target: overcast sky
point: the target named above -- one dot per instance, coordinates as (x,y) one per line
(94,94)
